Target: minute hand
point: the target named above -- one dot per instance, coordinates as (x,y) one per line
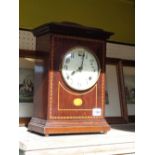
(81,67)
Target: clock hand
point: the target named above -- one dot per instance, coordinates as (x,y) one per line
(73,72)
(81,67)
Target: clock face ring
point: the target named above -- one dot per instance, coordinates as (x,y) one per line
(80,68)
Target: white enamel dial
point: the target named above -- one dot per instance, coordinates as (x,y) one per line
(80,68)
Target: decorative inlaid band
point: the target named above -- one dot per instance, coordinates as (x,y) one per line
(102,94)
(50,91)
(76,117)
(50,81)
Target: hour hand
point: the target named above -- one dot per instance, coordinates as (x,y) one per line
(73,72)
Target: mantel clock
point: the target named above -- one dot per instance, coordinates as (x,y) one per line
(70,81)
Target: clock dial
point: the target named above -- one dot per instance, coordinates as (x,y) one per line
(80,68)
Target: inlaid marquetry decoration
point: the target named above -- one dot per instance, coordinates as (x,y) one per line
(69,88)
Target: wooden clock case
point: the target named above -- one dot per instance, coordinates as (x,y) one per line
(54,108)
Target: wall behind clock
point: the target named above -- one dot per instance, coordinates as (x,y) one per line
(112,15)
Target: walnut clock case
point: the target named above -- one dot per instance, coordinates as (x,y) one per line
(70,81)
